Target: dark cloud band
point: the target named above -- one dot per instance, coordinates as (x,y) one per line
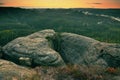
(96,3)
(1,3)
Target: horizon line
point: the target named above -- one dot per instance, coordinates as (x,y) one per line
(28,7)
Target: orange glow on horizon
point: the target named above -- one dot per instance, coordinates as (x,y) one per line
(63,3)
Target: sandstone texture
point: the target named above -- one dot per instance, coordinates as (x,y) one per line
(11,71)
(49,48)
(33,50)
(78,49)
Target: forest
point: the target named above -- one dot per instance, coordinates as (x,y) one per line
(100,24)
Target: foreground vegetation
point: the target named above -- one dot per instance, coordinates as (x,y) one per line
(15,22)
(70,72)
(77,72)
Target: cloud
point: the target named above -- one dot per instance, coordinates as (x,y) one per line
(96,3)
(1,3)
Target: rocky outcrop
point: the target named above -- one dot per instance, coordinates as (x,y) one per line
(10,71)
(33,50)
(51,48)
(78,49)
(116,78)
(111,54)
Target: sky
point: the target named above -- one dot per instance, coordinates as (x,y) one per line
(61,3)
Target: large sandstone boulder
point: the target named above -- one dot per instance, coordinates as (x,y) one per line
(50,48)
(11,71)
(78,49)
(111,54)
(33,50)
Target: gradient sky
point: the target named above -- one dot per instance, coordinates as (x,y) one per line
(62,3)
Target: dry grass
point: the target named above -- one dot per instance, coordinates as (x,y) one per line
(71,72)
(77,72)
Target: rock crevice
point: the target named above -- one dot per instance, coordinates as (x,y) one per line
(50,48)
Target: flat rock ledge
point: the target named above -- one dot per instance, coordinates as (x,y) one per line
(11,71)
(49,48)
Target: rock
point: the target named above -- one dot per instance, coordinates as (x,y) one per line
(11,71)
(25,61)
(48,47)
(79,49)
(111,54)
(33,50)
(116,78)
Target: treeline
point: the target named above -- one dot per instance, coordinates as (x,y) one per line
(15,22)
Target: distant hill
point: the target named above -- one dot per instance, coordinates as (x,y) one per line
(100,24)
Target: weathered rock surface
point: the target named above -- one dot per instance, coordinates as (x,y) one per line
(116,78)
(77,49)
(11,71)
(47,47)
(33,49)
(111,54)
